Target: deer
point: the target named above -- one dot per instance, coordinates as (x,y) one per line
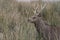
(43,28)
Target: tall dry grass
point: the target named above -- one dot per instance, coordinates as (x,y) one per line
(14,16)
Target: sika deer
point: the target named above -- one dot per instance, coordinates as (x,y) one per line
(48,32)
(41,26)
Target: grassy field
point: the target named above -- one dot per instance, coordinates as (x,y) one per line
(14,16)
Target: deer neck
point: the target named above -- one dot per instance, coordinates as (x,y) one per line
(40,25)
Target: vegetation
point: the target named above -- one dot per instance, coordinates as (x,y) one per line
(14,16)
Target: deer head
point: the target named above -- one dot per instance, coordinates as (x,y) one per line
(37,15)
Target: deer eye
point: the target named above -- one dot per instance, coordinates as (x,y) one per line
(34,17)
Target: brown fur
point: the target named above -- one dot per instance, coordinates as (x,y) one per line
(48,32)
